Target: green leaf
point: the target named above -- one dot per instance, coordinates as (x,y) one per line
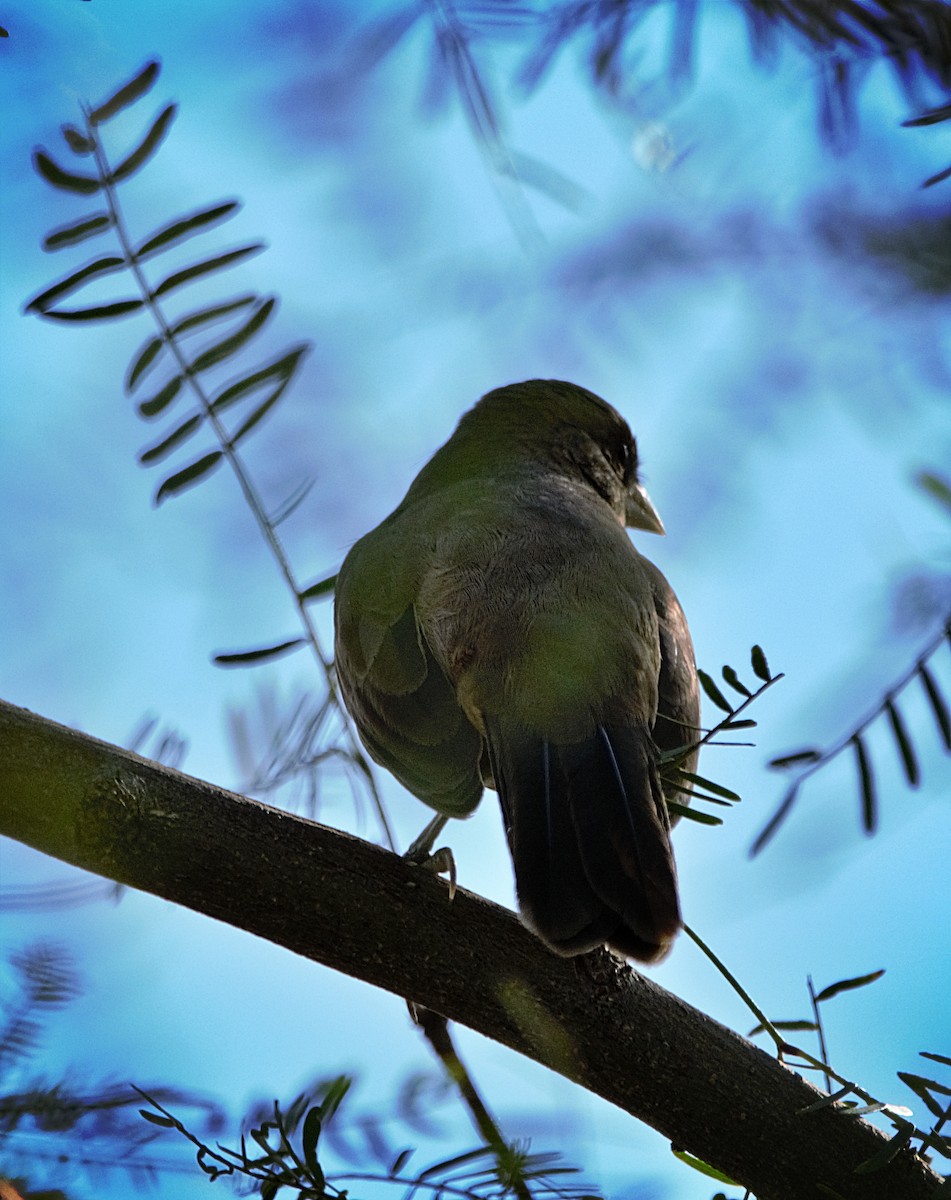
(743,723)
(703,1168)
(126,95)
(240,658)
(175,439)
(186,227)
(848,985)
(791,1026)
(102,266)
(793,760)
(938,706)
(940,177)
(905,748)
(161,400)
(310,1133)
(923,1088)
(323,587)
(208,316)
(142,361)
(147,147)
(79,231)
(733,680)
(692,814)
(937,487)
(399,1162)
(866,785)
(717,788)
(197,270)
(775,820)
(234,341)
(157,1119)
(65,181)
(77,141)
(713,692)
(281,371)
(188,476)
(100,312)
(888,1151)
(334,1096)
(759,664)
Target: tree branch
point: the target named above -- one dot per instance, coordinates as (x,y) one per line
(364,911)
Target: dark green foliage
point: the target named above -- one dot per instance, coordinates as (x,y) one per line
(812,759)
(262,385)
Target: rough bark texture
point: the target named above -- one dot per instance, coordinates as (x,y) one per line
(364,911)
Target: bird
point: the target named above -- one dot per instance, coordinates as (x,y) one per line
(500,630)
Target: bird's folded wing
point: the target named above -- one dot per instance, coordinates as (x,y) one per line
(403,704)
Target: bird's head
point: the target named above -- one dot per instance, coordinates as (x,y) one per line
(572,430)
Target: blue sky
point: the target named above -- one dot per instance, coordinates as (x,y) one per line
(785,381)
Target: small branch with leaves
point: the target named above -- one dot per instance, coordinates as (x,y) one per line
(813,759)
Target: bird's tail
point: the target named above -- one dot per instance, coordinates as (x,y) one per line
(590,839)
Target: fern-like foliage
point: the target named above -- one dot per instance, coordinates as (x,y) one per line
(811,759)
(286,1148)
(851,1100)
(60,1133)
(177,359)
(176,374)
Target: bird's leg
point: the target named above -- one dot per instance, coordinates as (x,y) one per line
(440,861)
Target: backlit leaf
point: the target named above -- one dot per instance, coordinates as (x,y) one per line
(847,985)
(759,664)
(905,748)
(233,343)
(102,266)
(142,361)
(733,680)
(775,820)
(713,692)
(240,658)
(938,706)
(795,759)
(323,587)
(197,270)
(165,447)
(161,400)
(100,312)
(66,181)
(78,231)
(147,147)
(77,141)
(188,476)
(208,316)
(866,785)
(692,814)
(126,95)
(185,227)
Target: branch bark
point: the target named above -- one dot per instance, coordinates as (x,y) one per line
(364,911)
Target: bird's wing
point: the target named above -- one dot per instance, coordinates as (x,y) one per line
(403,704)
(678,698)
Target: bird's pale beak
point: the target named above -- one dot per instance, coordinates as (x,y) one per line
(640,513)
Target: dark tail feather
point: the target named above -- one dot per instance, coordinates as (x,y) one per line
(590,839)
(623,835)
(555,897)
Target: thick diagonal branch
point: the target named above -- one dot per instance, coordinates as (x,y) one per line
(372,915)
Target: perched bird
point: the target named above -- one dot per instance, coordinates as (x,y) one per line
(500,630)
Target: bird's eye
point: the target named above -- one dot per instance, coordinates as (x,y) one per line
(625,457)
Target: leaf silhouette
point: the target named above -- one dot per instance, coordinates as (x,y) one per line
(188,476)
(905,748)
(206,267)
(866,785)
(938,706)
(102,266)
(713,691)
(78,231)
(208,316)
(142,361)
(233,343)
(65,181)
(759,664)
(186,227)
(77,141)
(165,447)
(126,95)
(99,312)
(161,400)
(147,147)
